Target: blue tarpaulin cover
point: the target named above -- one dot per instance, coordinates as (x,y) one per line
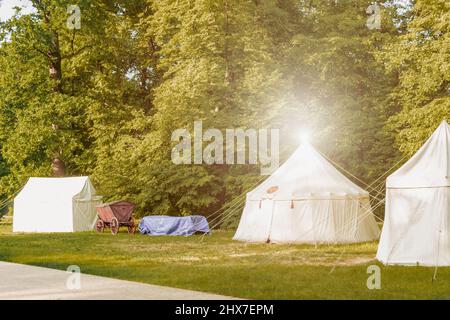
(175,226)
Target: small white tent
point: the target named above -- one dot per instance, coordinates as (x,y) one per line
(417,222)
(55,205)
(307,200)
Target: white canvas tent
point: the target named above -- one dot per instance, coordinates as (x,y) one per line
(55,205)
(307,200)
(417,222)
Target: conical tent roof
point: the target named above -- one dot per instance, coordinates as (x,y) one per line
(429,167)
(306,174)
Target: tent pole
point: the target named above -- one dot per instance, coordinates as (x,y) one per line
(271,221)
(438,247)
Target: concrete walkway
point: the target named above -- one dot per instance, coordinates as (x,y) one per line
(19,281)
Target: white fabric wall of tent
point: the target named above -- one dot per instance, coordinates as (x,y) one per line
(307,200)
(56,205)
(416,230)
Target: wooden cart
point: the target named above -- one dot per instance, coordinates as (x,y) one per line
(115,215)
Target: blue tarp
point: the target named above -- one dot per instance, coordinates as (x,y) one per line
(175,226)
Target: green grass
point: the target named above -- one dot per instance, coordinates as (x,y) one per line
(219,265)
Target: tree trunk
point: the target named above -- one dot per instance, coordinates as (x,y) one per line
(54,56)
(55,72)
(58,167)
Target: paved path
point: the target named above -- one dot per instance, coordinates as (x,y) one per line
(19,281)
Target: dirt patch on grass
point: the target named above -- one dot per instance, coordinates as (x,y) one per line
(330,261)
(301,257)
(359,260)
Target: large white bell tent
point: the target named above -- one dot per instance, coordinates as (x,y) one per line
(307,200)
(416,229)
(55,205)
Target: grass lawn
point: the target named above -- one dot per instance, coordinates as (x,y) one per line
(219,265)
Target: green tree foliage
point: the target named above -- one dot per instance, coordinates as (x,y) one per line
(217,65)
(42,103)
(338,90)
(104,100)
(421,58)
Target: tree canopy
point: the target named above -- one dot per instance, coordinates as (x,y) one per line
(103,98)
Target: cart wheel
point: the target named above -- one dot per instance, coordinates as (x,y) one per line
(132,227)
(114,225)
(100,226)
